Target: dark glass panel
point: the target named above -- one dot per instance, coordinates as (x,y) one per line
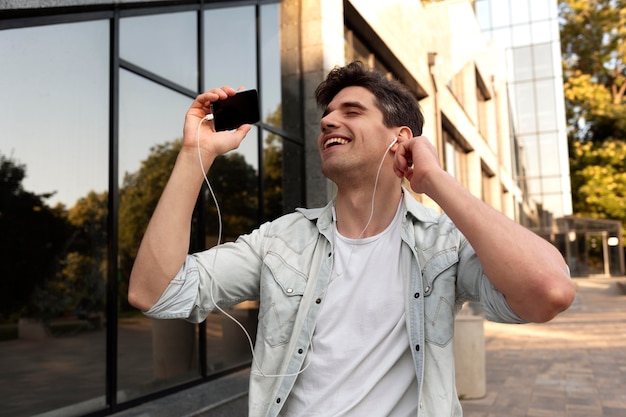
(152,354)
(230,47)
(271,106)
(53,218)
(164,44)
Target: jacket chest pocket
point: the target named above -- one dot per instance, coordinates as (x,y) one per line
(439,280)
(282,287)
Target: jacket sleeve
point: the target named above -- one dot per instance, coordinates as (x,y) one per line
(474,285)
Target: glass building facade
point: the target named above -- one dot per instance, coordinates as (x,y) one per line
(529,31)
(91,112)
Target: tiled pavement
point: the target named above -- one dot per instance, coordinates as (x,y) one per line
(573,366)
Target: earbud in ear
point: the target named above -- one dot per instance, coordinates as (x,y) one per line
(393,141)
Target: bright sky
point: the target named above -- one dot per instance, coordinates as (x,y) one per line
(54,85)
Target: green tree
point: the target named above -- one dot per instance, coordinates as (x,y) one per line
(600,180)
(273,169)
(33,241)
(85,267)
(593,35)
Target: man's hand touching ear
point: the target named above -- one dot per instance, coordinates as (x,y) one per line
(416,160)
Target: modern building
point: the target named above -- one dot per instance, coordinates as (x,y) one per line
(93,95)
(529,33)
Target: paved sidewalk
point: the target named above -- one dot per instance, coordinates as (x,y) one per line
(573,366)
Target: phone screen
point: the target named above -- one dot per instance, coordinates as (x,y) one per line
(236,110)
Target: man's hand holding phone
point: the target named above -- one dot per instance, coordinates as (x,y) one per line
(232,113)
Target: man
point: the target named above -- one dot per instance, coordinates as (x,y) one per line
(357,299)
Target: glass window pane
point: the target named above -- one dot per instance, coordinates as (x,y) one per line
(271,90)
(532,161)
(549,148)
(230,47)
(526,108)
(523,63)
(543,60)
(546,106)
(54,131)
(164,44)
(151,120)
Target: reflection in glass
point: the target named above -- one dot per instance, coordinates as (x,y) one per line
(271,107)
(273,162)
(53,205)
(546,107)
(526,108)
(234,179)
(543,60)
(151,354)
(523,63)
(163,44)
(230,47)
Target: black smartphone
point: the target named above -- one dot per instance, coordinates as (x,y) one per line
(236,110)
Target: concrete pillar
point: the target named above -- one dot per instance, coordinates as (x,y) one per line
(469,355)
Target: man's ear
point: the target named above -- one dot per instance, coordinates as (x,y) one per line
(403,134)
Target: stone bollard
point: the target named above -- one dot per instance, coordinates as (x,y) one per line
(469,356)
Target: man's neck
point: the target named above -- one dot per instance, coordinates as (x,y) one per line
(353,209)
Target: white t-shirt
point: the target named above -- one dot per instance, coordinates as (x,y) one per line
(360,362)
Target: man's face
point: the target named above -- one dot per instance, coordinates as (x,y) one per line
(353,138)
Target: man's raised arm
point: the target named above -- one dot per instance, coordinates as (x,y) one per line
(528,270)
(165,243)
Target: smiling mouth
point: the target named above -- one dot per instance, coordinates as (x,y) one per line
(334,142)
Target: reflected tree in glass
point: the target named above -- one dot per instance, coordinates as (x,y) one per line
(34,238)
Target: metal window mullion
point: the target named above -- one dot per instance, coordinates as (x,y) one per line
(113,215)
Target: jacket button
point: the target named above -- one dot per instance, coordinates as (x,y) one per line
(300,351)
(277,400)
(289,290)
(417,295)
(319,300)
(417,348)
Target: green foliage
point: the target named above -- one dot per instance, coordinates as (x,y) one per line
(34,238)
(599,177)
(593,42)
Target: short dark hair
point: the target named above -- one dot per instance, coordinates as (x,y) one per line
(397,103)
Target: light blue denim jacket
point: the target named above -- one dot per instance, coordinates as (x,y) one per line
(286,264)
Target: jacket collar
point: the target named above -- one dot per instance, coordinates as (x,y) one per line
(412,207)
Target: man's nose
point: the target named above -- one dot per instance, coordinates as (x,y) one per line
(329,122)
